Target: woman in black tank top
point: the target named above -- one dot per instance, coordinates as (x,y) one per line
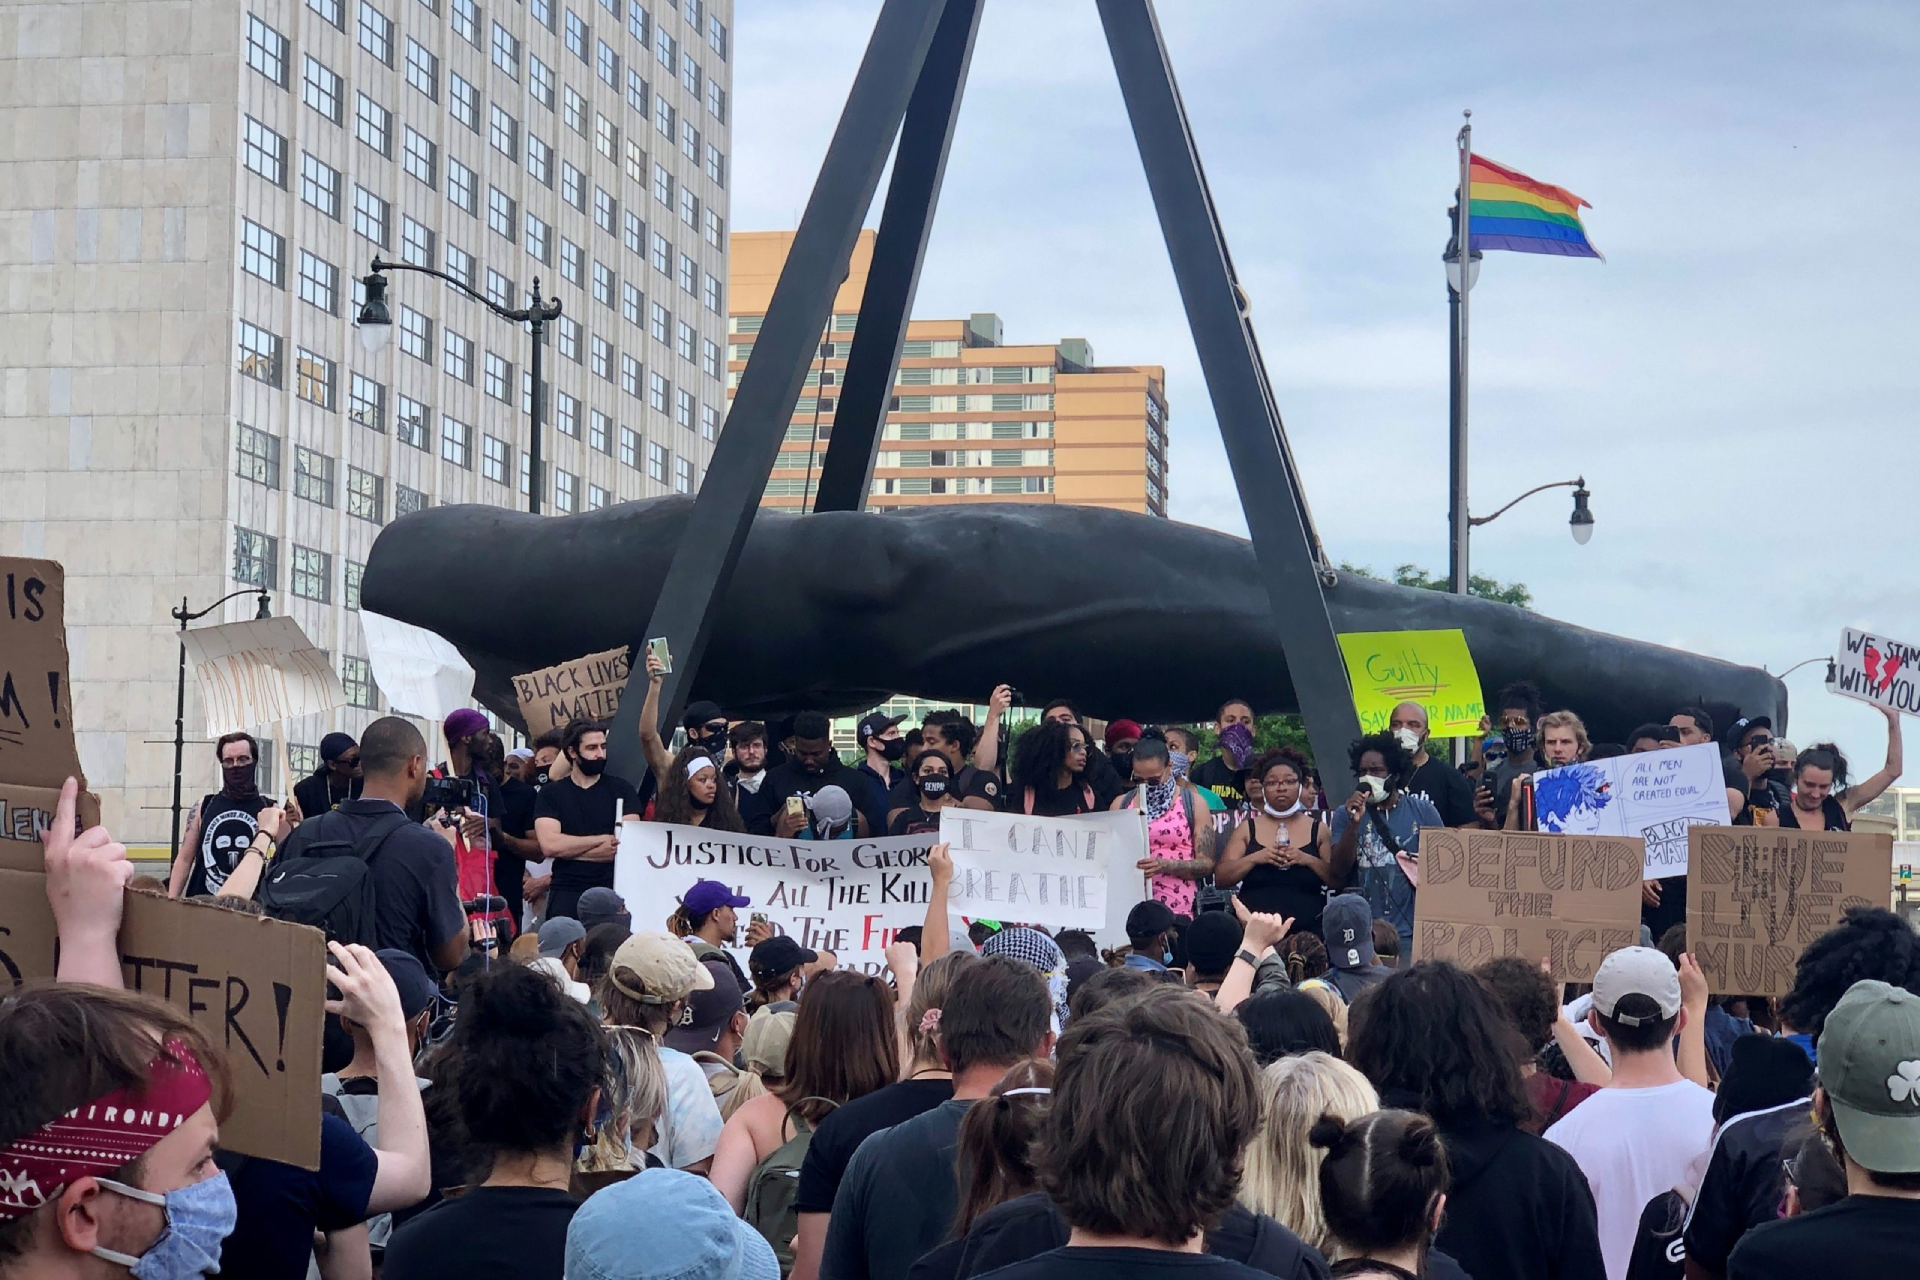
(1281,858)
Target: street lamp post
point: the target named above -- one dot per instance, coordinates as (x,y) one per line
(1580,523)
(184,616)
(376,327)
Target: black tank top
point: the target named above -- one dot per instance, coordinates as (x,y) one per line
(1295,891)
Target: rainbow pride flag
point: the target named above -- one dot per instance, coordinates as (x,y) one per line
(1509,210)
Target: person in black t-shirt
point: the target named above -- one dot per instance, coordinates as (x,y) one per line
(1383,1182)
(931,777)
(1049,776)
(1442,784)
(222,825)
(530,1069)
(814,765)
(576,818)
(954,737)
(1226,773)
(337,778)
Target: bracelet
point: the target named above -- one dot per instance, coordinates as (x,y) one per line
(1253,961)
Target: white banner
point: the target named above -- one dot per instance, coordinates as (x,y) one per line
(1061,872)
(1655,795)
(254,673)
(1875,669)
(421,673)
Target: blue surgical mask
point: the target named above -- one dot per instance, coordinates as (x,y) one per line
(199,1218)
(1178,762)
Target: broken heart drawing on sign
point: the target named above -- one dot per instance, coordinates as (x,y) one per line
(1881,669)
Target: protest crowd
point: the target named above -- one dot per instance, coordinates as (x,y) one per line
(529,1075)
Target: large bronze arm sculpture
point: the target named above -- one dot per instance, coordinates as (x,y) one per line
(1124,614)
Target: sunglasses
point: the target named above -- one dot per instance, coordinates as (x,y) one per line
(1080,747)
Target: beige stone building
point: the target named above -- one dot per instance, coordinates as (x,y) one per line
(972,417)
(188,194)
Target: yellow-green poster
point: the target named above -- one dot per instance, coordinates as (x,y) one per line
(1432,668)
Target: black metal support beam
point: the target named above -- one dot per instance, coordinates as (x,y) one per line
(1250,425)
(770,385)
(919,168)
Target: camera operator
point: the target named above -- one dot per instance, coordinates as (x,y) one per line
(575,818)
(416,884)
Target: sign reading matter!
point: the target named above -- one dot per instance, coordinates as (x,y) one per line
(587,688)
(1432,668)
(256,987)
(1756,896)
(1875,669)
(1568,900)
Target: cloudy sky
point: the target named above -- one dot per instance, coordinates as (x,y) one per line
(1737,382)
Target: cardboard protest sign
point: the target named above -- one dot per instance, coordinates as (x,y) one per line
(1656,796)
(1756,896)
(258,672)
(1568,900)
(36,695)
(27,811)
(587,688)
(1432,668)
(255,986)
(1054,871)
(1874,669)
(421,673)
(847,896)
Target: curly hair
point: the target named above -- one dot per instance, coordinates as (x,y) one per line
(1526,995)
(1869,942)
(954,727)
(1039,753)
(1398,759)
(1282,756)
(1305,956)
(676,806)
(1434,1035)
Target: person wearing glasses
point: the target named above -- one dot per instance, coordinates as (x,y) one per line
(1751,740)
(1050,777)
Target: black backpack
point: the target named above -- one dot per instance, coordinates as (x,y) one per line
(325,881)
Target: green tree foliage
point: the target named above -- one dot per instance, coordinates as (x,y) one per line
(1517,594)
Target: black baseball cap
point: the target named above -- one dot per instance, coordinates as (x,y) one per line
(1742,727)
(777,955)
(872,726)
(1148,918)
(699,715)
(410,979)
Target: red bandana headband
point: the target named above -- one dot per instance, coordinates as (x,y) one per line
(108,1133)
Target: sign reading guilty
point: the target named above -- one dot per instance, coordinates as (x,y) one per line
(1051,871)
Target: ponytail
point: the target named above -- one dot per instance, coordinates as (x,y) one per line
(1382,1175)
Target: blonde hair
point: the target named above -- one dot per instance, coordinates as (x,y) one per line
(1566,720)
(634,1090)
(929,993)
(1281,1174)
(1323,994)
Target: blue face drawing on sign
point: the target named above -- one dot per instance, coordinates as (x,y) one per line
(1568,793)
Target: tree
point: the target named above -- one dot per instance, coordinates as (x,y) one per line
(1517,594)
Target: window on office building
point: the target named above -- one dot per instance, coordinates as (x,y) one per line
(573,186)
(629,448)
(423,69)
(540,81)
(367,402)
(683,340)
(689,275)
(573,109)
(573,262)
(264,151)
(313,476)
(539,161)
(465,16)
(630,376)
(350,579)
(565,491)
(256,456)
(416,334)
(606,137)
(657,389)
(683,408)
(499,290)
(716,165)
(602,359)
(412,423)
(259,353)
(320,88)
(656,462)
(463,100)
(506,51)
(603,284)
(370,216)
(499,378)
(682,475)
(356,680)
(407,501)
(376,33)
(256,558)
(709,422)
(710,293)
(539,239)
(606,211)
(456,442)
(266,51)
(420,158)
(599,432)
(460,264)
(576,35)
(496,459)
(416,243)
(500,213)
(312,577)
(457,357)
(366,495)
(331,10)
(503,131)
(597,498)
(606,64)
(630,300)
(314,377)
(638,96)
(463,187)
(262,253)
(566,414)
(661,255)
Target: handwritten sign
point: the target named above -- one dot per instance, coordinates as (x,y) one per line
(1756,896)
(36,695)
(587,688)
(1013,866)
(1875,669)
(1568,900)
(27,811)
(421,673)
(257,672)
(1656,796)
(1432,668)
(255,986)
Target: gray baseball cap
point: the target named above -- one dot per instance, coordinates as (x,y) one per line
(1636,971)
(1870,1068)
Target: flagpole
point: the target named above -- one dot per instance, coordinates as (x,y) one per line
(1457,577)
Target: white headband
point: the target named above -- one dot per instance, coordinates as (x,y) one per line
(1014,1093)
(698,763)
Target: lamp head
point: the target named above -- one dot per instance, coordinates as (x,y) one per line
(264,612)
(375,320)
(1581,521)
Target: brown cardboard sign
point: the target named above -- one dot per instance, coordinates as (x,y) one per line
(587,688)
(27,811)
(1756,896)
(1568,900)
(256,987)
(36,695)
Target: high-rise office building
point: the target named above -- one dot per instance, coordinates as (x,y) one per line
(191,192)
(972,418)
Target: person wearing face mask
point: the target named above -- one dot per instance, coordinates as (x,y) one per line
(1519,707)
(223,824)
(932,777)
(954,737)
(1179,837)
(879,736)
(1226,774)
(575,819)
(1120,738)
(706,726)
(1376,834)
(1443,785)
(1282,857)
(1563,741)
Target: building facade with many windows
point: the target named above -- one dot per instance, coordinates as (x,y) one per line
(192,195)
(971,418)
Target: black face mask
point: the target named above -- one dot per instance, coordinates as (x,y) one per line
(239,779)
(933,786)
(540,776)
(1122,762)
(697,802)
(1519,741)
(893,748)
(590,768)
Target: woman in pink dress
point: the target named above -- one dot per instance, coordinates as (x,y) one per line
(1179,832)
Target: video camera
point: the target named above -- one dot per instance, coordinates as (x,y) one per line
(449,795)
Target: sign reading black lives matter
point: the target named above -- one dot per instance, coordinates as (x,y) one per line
(587,688)
(1756,896)
(1567,900)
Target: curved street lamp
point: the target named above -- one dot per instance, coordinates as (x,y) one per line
(375,322)
(1580,523)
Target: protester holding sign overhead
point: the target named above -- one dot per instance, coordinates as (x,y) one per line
(575,818)
(1822,800)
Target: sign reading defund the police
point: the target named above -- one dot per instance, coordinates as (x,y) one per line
(849,897)
(1058,872)
(1875,669)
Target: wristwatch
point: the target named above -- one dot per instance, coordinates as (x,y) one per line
(1253,961)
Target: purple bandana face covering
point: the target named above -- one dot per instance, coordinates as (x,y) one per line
(1236,743)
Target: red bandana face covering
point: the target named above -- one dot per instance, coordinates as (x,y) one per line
(108,1133)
